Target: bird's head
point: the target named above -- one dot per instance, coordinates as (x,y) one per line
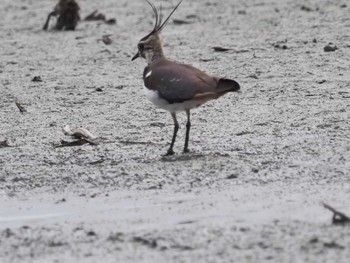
(150,47)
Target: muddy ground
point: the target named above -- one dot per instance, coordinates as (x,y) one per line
(261,162)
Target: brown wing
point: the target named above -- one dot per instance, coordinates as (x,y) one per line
(178,82)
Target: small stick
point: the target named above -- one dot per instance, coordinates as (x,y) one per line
(20,107)
(94,16)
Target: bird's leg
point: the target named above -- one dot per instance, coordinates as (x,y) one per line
(176,128)
(188,126)
(53,13)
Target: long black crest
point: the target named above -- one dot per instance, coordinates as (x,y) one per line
(159,25)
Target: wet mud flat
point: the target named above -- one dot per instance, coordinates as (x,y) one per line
(261,162)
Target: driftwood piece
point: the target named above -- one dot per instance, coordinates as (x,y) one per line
(339,218)
(67,13)
(82,135)
(79,133)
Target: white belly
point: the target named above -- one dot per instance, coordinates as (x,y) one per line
(174,107)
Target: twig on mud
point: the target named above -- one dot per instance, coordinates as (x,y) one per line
(206,59)
(181,22)
(224,49)
(20,107)
(221,49)
(339,218)
(96,16)
(75,143)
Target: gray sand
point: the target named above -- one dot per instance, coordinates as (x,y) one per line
(261,162)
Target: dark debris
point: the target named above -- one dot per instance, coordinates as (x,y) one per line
(221,49)
(339,218)
(4,144)
(37,79)
(330,48)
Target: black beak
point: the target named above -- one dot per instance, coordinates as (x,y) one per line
(136,56)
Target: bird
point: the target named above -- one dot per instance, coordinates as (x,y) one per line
(173,86)
(68,15)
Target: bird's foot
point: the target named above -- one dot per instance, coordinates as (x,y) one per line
(186,150)
(170,152)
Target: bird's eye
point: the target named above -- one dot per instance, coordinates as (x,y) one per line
(141,46)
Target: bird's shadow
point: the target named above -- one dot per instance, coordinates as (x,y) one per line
(181,157)
(188,156)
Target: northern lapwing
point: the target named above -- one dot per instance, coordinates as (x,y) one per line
(173,86)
